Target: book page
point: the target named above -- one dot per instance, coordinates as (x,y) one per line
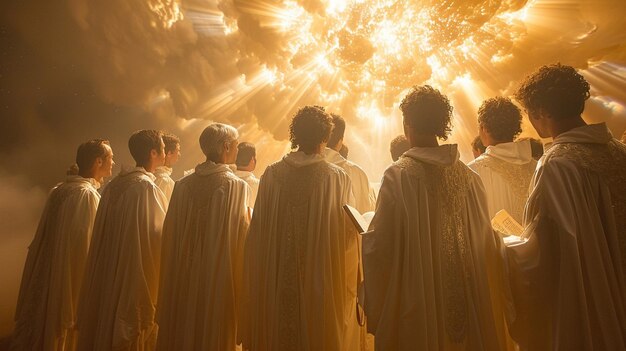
(360,222)
(504,223)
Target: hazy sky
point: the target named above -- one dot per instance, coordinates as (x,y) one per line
(79,69)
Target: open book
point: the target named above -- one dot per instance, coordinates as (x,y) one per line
(361,221)
(506,225)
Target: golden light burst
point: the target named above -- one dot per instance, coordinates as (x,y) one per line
(358,58)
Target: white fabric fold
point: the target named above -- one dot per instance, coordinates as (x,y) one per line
(202,259)
(45,317)
(119,291)
(567,280)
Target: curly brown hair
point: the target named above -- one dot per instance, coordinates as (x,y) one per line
(501,118)
(427,111)
(310,126)
(556,89)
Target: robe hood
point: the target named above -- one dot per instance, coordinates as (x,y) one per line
(444,155)
(591,134)
(333,156)
(300,159)
(124,172)
(210,167)
(243,174)
(79,179)
(516,152)
(163,170)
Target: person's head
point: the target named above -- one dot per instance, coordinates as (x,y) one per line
(219,143)
(335,140)
(309,130)
(477,146)
(499,121)
(147,148)
(398,146)
(426,113)
(172,149)
(94,159)
(554,97)
(246,157)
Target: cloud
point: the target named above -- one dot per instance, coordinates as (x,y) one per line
(82,69)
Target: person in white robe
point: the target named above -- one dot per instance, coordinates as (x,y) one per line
(506,166)
(429,253)
(299,248)
(117,300)
(364,201)
(46,309)
(246,164)
(163,173)
(202,256)
(361,191)
(567,273)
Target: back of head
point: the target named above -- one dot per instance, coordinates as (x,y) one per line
(246,152)
(88,152)
(170,141)
(213,138)
(398,146)
(339,129)
(500,118)
(478,146)
(309,128)
(427,111)
(142,142)
(555,89)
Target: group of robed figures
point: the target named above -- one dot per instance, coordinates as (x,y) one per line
(133,269)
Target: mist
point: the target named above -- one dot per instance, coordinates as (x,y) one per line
(79,69)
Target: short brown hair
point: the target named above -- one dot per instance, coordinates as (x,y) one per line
(477,144)
(556,89)
(501,118)
(246,151)
(427,111)
(309,127)
(89,151)
(170,141)
(142,142)
(339,129)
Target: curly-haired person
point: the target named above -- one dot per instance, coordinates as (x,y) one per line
(300,255)
(567,275)
(506,166)
(429,251)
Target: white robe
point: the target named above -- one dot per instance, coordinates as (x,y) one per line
(427,258)
(506,170)
(164,181)
(202,260)
(567,279)
(364,198)
(46,307)
(117,300)
(297,290)
(253,183)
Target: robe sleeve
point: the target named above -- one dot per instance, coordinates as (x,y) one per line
(566,279)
